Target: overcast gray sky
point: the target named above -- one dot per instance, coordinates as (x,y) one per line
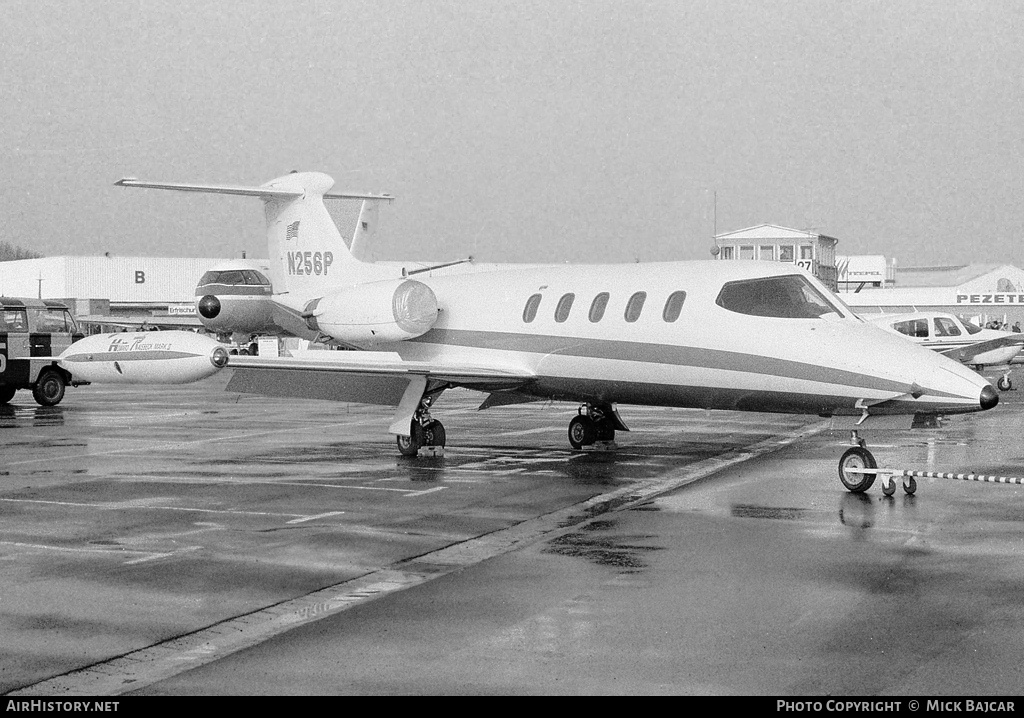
(535,130)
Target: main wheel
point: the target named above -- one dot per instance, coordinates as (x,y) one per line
(433,434)
(7,393)
(909,485)
(857,458)
(49,388)
(582,432)
(410,445)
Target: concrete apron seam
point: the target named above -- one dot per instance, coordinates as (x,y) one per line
(145,666)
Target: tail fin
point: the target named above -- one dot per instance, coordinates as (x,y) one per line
(365,228)
(307,254)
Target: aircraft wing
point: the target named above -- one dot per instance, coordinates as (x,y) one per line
(973,354)
(180,322)
(380,378)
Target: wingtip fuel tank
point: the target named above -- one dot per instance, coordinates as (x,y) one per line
(171,357)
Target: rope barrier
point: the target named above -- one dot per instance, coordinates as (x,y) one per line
(945,475)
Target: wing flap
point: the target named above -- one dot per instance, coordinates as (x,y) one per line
(364,363)
(290,384)
(380,378)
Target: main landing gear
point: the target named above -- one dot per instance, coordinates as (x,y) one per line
(594,423)
(855,470)
(425,431)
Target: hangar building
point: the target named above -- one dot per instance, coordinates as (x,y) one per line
(977,291)
(127,286)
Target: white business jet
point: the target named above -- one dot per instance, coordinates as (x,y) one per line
(748,336)
(958,339)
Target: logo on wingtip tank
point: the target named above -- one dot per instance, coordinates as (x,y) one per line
(293,231)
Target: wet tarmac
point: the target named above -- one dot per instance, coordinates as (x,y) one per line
(197,543)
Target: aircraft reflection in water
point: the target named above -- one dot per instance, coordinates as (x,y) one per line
(748,336)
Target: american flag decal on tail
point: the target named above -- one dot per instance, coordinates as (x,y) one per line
(293,231)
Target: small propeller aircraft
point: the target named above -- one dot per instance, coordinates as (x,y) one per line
(747,336)
(958,339)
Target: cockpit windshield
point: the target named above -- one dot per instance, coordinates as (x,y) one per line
(970,326)
(235,276)
(790,296)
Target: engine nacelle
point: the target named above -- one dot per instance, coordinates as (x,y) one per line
(375,313)
(235,298)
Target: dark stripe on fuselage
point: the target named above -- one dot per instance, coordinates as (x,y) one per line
(129,356)
(660,354)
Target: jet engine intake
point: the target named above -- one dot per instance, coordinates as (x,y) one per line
(375,313)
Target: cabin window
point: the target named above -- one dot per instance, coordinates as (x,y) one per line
(789,296)
(530,310)
(673,306)
(768,252)
(747,252)
(787,253)
(913,328)
(946,327)
(598,306)
(635,306)
(564,305)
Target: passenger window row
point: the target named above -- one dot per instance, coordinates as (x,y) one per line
(635,305)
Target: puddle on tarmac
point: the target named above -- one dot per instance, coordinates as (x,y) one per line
(750,511)
(615,551)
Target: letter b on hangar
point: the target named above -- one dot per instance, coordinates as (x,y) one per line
(140,276)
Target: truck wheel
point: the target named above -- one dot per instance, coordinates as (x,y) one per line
(49,388)
(6,394)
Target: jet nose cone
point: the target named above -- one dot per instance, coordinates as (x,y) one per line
(209,306)
(989,397)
